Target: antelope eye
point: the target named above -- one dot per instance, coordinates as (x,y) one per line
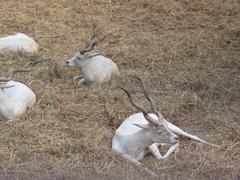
(160,132)
(78,58)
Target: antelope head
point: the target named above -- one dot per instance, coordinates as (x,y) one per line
(156,129)
(83,54)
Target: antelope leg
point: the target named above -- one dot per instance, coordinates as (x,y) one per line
(155,151)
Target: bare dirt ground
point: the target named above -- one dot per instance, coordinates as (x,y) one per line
(187,51)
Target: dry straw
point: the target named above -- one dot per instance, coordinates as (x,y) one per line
(187,50)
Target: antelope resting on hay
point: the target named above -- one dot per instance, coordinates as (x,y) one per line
(95,67)
(142,133)
(18,42)
(15,97)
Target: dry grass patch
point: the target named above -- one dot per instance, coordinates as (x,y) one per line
(188,51)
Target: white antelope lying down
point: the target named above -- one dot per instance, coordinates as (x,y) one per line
(18,42)
(95,67)
(15,97)
(142,133)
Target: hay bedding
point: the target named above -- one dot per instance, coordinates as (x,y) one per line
(188,51)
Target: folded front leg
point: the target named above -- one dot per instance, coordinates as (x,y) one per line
(79,77)
(155,151)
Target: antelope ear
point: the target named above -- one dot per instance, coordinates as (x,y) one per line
(3,79)
(157,123)
(143,126)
